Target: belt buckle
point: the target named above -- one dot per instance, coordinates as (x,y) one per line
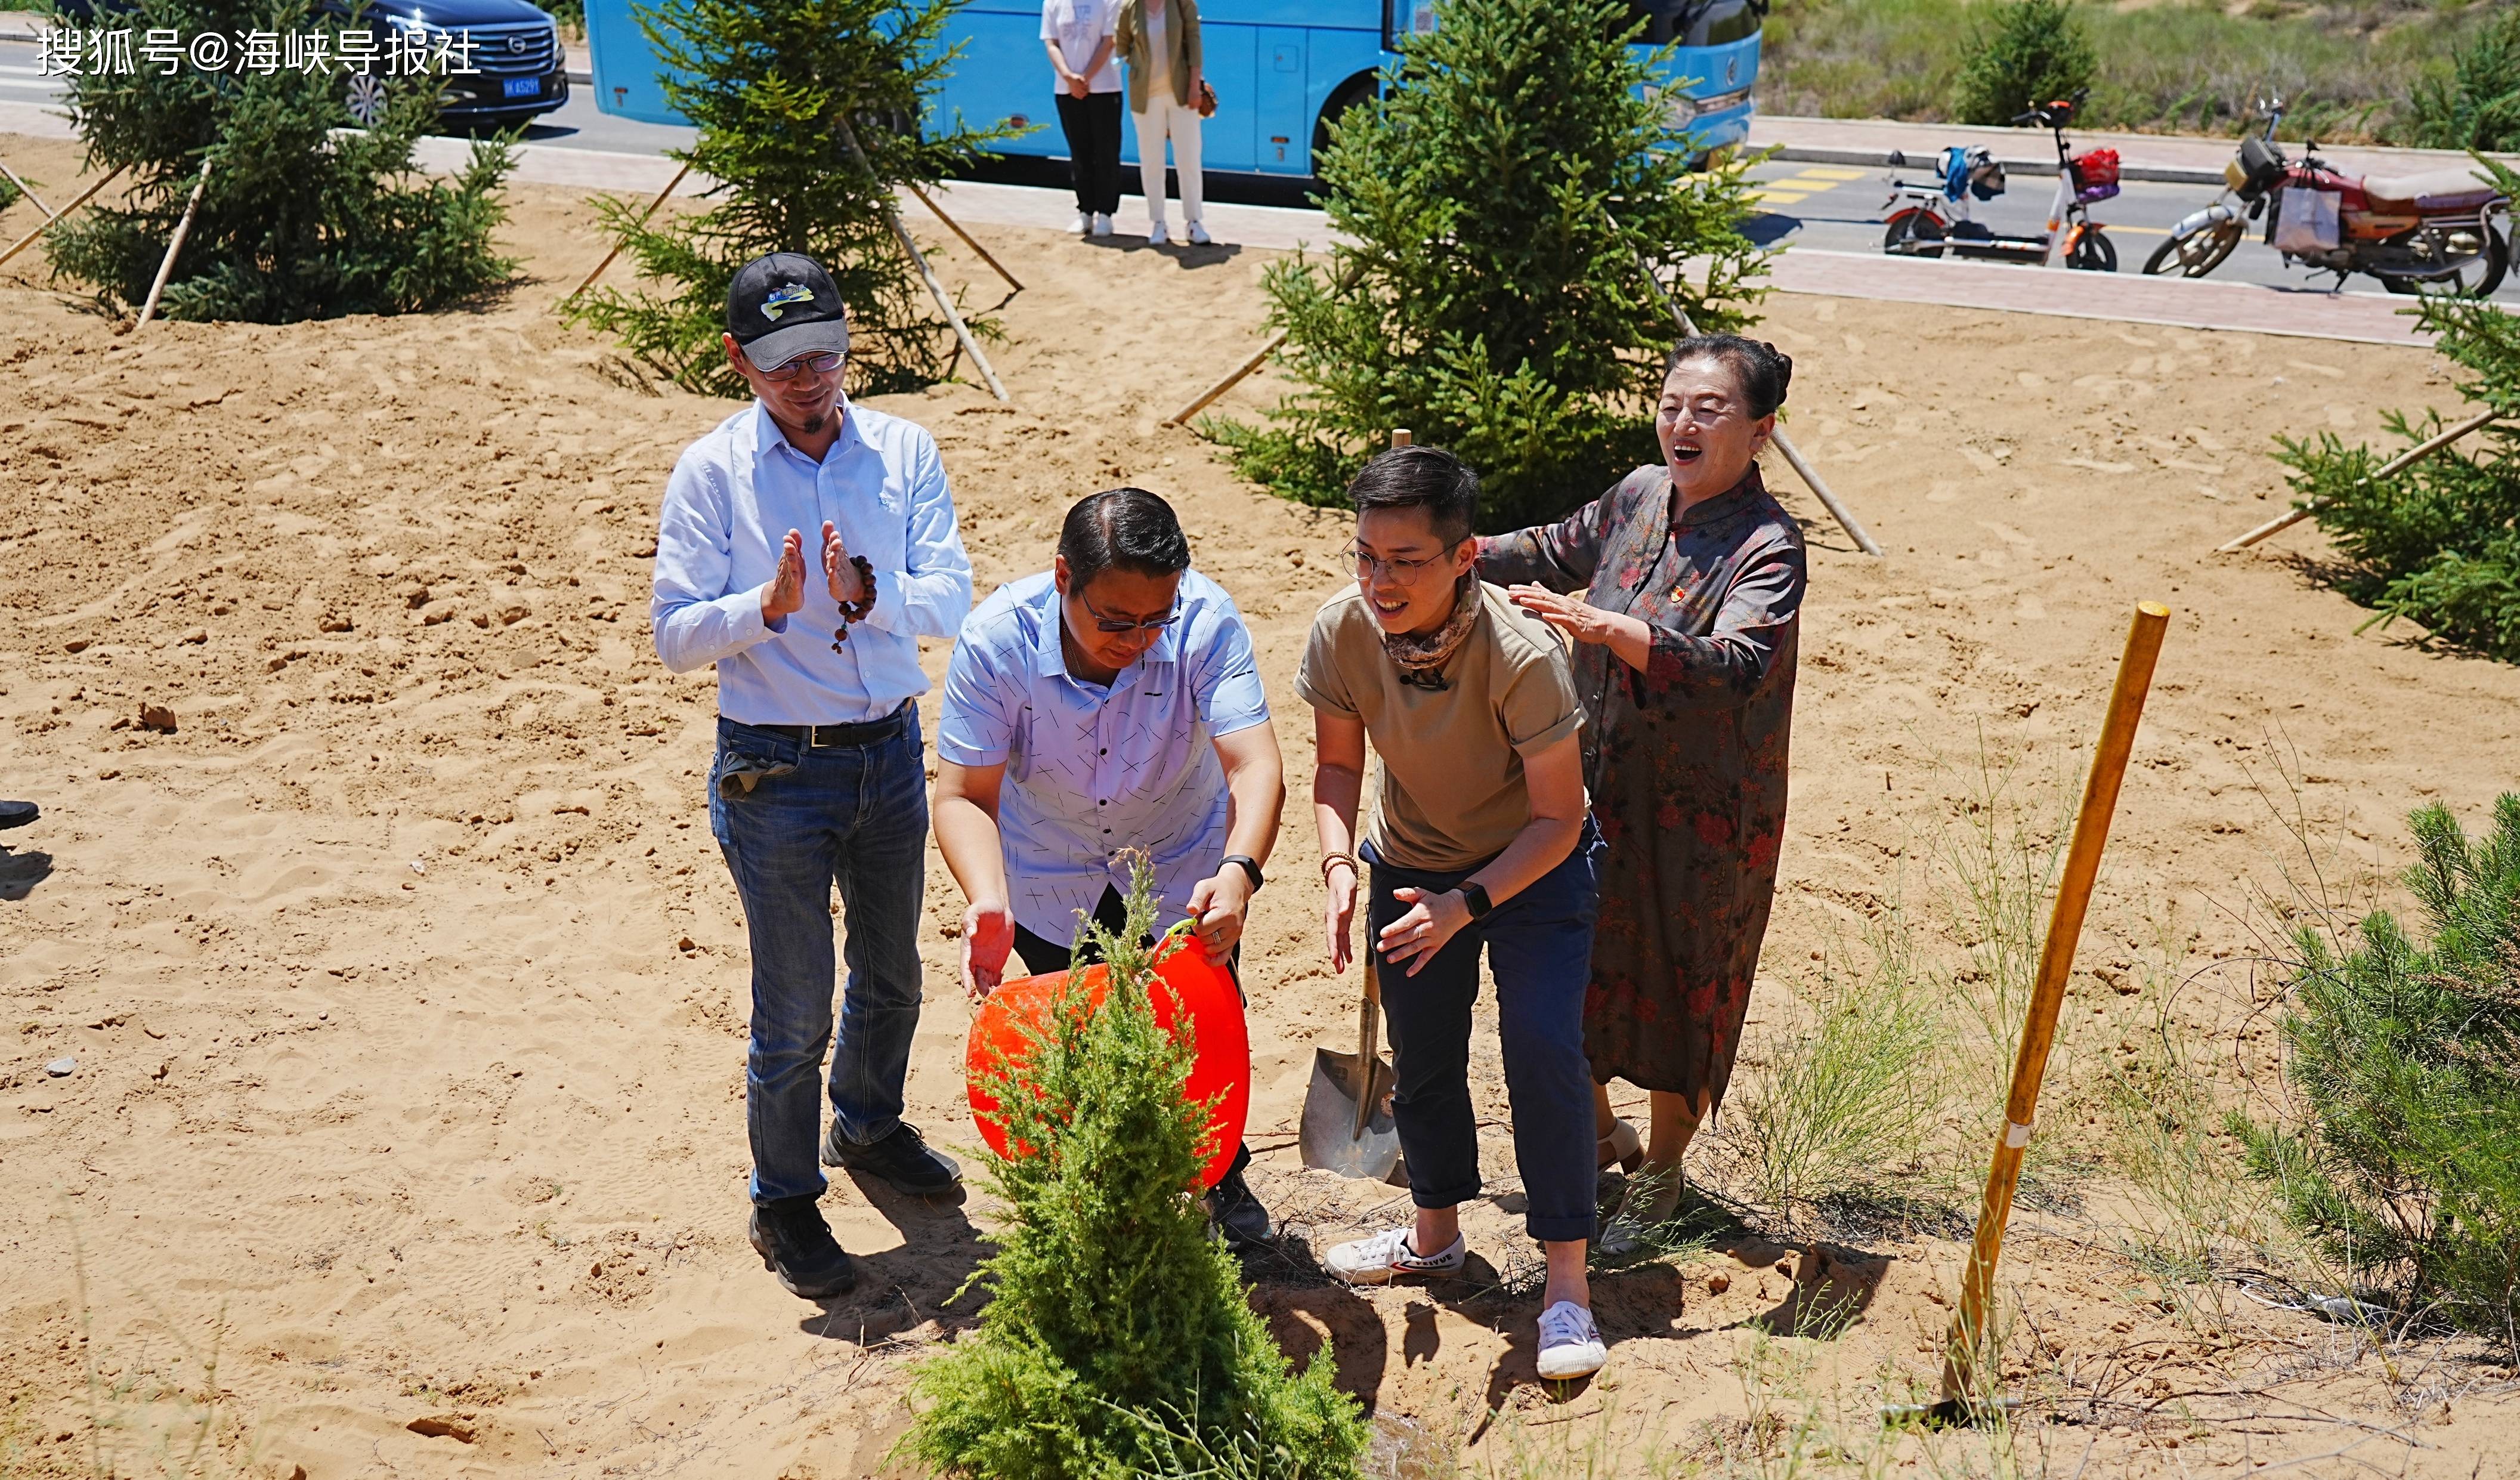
(814,738)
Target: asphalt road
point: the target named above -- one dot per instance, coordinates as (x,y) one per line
(1836,207)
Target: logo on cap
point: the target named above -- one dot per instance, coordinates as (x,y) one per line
(779,299)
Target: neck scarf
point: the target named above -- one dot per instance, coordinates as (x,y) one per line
(1422,656)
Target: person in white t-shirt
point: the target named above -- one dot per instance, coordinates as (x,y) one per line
(1078,35)
(1159,40)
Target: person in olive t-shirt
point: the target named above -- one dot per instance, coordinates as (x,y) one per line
(1480,837)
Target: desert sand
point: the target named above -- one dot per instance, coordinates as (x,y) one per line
(375,901)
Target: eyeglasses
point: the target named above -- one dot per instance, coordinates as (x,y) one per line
(1115,626)
(821,362)
(1406,573)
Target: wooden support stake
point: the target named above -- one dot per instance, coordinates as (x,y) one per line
(1794,459)
(1968,1336)
(2390,469)
(174,244)
(1400,436)
(26,189)
(85,196)
(589,279)
(1233,379)
(935,289)
(956,227)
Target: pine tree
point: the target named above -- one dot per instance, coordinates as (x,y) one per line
(1117,1341)
(297,221)
(2477,103)
(769,84)
(2439,542)
(1499,196)
(2021,54)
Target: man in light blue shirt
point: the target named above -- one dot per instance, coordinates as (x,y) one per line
(1109,704)
(819,775)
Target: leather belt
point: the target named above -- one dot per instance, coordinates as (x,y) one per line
(825,737)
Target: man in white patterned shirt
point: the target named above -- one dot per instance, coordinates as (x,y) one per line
(1107,705)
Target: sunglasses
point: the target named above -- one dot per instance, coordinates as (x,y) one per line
(821,362)
(1117,626)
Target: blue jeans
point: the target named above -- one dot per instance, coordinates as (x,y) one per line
(1540,949)
(855,816)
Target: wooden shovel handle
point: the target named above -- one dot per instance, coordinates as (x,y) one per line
(1369,1020)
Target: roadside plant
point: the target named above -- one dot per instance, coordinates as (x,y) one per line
(2439,542)
(2475,102)
(771,85)
(2019,53)
(303,217)
(1116,1340)
(2402,1154)
(1494,203)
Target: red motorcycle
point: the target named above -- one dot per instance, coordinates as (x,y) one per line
(2444,230)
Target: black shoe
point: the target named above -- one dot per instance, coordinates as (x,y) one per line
(796,1246)
(17,814)
(1239,1215)
(902,1159)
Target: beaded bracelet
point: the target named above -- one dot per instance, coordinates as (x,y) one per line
(1333,861)
(854,613)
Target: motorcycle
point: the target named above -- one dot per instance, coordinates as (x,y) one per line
(2429,233)
(1926,220)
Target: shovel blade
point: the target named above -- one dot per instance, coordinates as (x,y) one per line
(1341,1083)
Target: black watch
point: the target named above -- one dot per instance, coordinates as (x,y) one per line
(1250,865)
(1476,897)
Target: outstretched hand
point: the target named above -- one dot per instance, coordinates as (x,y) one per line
(1434,917)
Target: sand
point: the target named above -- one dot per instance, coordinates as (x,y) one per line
(407,990)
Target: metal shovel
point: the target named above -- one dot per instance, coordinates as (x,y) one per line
(1347,1107)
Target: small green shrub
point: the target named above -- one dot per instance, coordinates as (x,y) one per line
(299,221)
(2020,54)
(2402,1158)
(2477,103)
(769,84)
(2439,542)
(1488,302)
(1116,1341)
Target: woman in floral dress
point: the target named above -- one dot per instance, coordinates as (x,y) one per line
(1690,579)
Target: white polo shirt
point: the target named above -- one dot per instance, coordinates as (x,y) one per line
(1078,26)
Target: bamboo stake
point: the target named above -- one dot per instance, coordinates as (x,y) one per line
(1968,1345)
(174,244)
(85,196)
(935,289)
(968,239)
(2390,469)
(1794,455)
(589,279)
(26,189)
(1233,379)
(1401,437)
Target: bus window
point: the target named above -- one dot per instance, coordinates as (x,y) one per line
(1403,19)
(1695,22)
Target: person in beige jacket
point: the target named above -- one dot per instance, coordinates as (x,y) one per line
(1159,40)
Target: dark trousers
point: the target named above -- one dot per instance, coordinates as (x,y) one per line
(1091,124)
(854,817)
(1540,949)
(1110,912)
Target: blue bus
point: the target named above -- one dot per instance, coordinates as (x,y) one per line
(1283,69)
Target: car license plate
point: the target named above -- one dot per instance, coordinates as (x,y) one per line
(525,88)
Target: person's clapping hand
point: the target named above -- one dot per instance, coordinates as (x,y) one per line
(786,591)
(838,570)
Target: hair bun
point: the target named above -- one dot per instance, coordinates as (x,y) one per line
(1785,370)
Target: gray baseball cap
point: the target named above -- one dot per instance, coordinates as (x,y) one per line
(784,306)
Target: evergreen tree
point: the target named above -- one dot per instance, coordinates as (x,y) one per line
(1116,1341)
(2439,542)
(769,83)
(1498,196)
(297,221)
(2477,106)
(2021,54)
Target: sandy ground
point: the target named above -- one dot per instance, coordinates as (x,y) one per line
(407,991)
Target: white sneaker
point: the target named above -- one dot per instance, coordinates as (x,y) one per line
(1198,235)
(1157,235)
(1101,224)
(1082,224)
(1570,1344)
(1374,1260)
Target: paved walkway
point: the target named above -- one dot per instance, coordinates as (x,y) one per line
(2173,159)
(2124,298)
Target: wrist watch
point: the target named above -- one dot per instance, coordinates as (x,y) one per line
(1476,897)
(1250,865)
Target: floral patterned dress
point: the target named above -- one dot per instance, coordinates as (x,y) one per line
(1685,760)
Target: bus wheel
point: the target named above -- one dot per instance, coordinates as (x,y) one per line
(1353,91)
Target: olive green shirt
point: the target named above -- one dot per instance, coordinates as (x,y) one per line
(1451,793)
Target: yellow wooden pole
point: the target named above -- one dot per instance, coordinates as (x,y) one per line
(1968,1336)
(85,196)
(587,281)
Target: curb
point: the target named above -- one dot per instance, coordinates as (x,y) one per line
(2155,174)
